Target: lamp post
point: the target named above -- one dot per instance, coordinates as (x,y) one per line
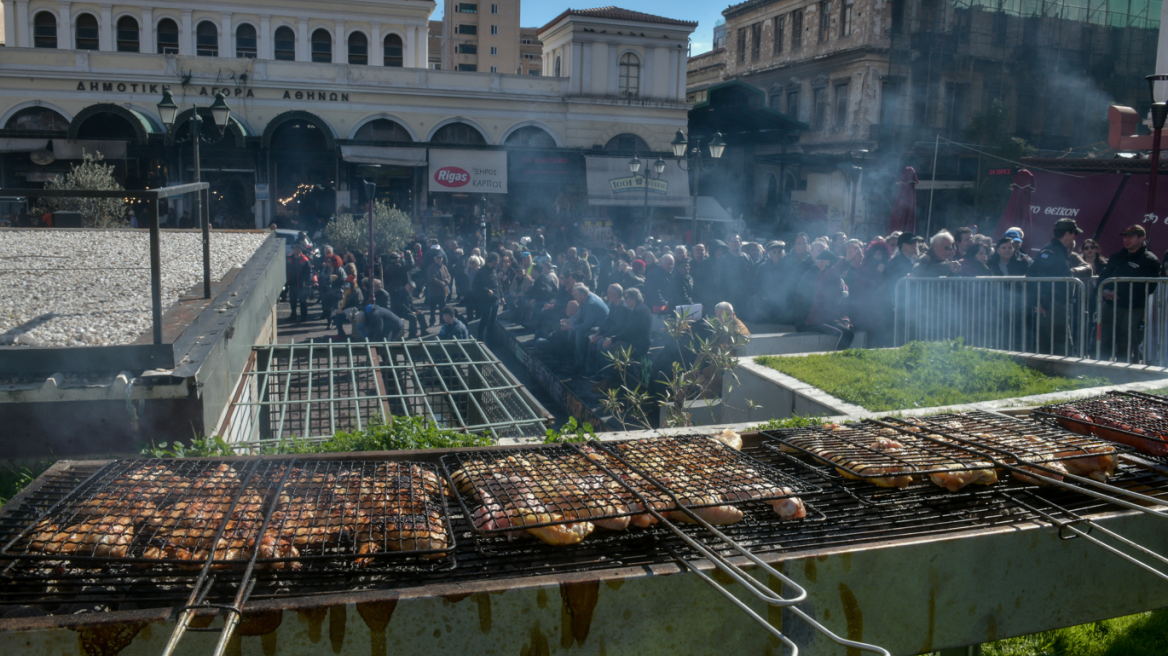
(635,168)
(1159,115)
(368,174)
(857,175)
(221,114)
(693,159)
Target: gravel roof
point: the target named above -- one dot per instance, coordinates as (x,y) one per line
(92,287)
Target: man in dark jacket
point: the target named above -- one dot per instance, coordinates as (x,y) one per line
(1123,302)
(794,266)
(401,303)
(381,325)
(299,282)
(634,335)
(489,293)
(1053,262)
(452,328)
(769,283)
(658,281)
(618,313)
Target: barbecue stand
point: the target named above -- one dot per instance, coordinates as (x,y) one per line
(980,440)
(163,493)
(644,459)
(1132,410)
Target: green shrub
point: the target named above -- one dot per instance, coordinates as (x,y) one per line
(922,375)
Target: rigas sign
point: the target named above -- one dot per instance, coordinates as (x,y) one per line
(468,171)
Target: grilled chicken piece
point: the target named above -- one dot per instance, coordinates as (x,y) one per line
(108,537)
(1040,476)
(161,549)
(954,481)
(789,508)
(1100,466)
(716,515)
(899,479)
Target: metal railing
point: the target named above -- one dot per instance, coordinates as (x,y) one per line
(1011,313)
(1132,321)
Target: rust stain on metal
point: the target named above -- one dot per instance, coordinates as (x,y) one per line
(234,646)
(337,616)
(722,577)
(579,601)
(538,646)
(614,584)
(931,634)
(810,572)
(108,640)
(455,598)
(853,617)
(541,598)
(846,561)
(992,628)
(484,601)
(268,642)
(377,615)
(774,613)
(262,623)
(314,618)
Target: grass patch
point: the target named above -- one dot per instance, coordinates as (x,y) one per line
(1145,634)
(15,475)
(790,422)
(922,375)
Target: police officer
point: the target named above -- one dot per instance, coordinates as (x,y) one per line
(1123,303)
(1053,261)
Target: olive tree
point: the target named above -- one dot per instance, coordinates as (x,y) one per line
(350,232)
(92,174)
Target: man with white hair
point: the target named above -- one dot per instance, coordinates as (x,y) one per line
(658,282)
(592,313)
(938,262)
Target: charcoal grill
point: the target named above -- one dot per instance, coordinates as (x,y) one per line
(1132,418)
(862,548)
(226,519)
(995,442)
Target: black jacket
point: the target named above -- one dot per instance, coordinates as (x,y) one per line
(543,289)
(657,284)
(769,280)
(636,330)
(1141,264)
(400,302)
(1015,267)
(381,297)
(381,325)
(616,319)
(1052,262)
(299,273)
(487,279)
(682,291)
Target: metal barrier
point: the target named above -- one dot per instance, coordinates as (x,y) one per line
(1011,313)
(1132,321)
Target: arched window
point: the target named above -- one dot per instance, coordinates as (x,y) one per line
(285,44)
(37,118)
(556,71)
(630,74)
(44,30)
(530,137)
(383,129)
(245,42)
(458,133)
(167,37)
(207,40)
(128,34)
(627,142)
(86,35)
(358,49)
(322,47)
(393,51)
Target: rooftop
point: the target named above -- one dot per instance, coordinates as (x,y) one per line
(616,13)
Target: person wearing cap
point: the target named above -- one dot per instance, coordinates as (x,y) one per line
(452,328)
(904,260)
(770,284)
(1053,261)
(1123,303)
(827,315)
(299,282)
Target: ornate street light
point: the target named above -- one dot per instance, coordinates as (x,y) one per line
(694,159)
(1159,116)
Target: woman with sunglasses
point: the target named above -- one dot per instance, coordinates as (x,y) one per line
(1093,256)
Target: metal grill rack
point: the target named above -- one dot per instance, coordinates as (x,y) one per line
(701,472)
(312,391)
(868,451)
(1132,418)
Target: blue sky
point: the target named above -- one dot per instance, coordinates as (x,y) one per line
(537,14)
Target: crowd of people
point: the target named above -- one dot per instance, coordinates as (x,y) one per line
(585,302)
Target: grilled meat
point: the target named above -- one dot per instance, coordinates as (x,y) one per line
(108,537)
(954,481)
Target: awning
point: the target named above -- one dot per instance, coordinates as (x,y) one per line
(385,155)
(708,210)
(66,149)
(22,145)
(611,183)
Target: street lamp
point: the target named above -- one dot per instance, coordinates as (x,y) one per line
(1159,115)
(221,114)
(857,175)
(368,173)
(693,159)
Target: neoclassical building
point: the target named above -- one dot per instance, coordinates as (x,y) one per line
(317,90)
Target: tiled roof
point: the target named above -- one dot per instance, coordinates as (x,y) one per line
(616,13)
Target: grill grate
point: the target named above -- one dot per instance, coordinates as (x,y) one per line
(507,491)
(878,453)
(1131,418)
